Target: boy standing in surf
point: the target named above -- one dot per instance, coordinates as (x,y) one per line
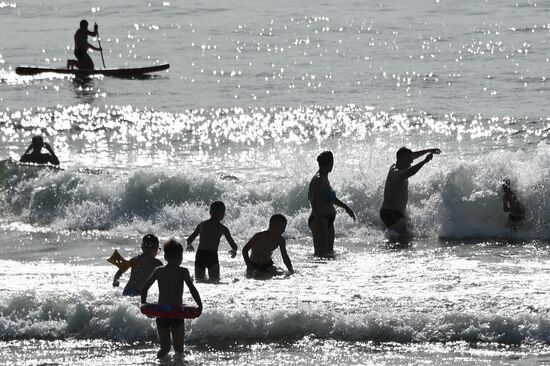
(396,188)
(142,266)
(512,205)
(170,280)
(263,244)
(210,232)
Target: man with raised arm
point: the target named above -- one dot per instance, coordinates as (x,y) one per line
(396,189)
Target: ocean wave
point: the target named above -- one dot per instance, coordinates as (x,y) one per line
(28,316)
(450,198)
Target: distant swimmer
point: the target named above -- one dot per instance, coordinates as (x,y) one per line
(210,232)
(33,154)
(263,244)
(81,45)
(511,204)
(396,189)
(323,199)
(142,266)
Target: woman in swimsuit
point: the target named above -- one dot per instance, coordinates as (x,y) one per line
(323,199)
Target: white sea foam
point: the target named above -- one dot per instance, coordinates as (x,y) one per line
(451,198)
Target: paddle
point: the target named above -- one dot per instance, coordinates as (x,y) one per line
(101,48)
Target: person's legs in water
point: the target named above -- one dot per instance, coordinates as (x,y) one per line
(330,239)
(164,338)
(214,273)
(200,272)
(320,232)
(178,333)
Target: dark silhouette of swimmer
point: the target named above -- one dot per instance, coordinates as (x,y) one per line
(33,154)
(323,199)
(511,204)
(81,45)
(396,188)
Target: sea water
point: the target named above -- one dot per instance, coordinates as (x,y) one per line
(256,90)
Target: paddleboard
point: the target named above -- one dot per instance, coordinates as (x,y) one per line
(119,261)
(122,73)
(169,311)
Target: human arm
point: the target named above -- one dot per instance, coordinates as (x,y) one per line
(192,237)
(417,154)
(117,277)
(315,191)
(415,168)
(192,289)
(147,285)
(94,47)
(251,243)
(286,258)
(505,202)
(53,158)
(341,204)
(231,242)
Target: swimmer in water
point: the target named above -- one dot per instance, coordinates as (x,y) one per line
(263,244)
(33,154)
(511,204)
(81,46)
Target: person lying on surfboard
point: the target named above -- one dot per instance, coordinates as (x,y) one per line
(142,266)
(210,231)
(81,45)
(170,280)
(33,154)
(263,244)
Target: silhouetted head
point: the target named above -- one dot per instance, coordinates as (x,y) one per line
(37,144)
(173,251)
(507,186)
(404,157)
(326,161)
(277,224)
(150,244)
(217,210)
(83,24)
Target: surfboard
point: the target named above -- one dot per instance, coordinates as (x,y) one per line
(121,73)
(119,261)
(169,311)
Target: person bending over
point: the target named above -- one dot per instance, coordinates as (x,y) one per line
(263,244)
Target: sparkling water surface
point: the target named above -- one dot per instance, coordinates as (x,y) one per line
(255,91)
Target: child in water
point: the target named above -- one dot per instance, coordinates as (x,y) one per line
(171,278)
(142,266)
(210,232)
(511,204)
(262,246)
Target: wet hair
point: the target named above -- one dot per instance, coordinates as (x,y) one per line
(217,207)
(37,141)
(403,151)
(172,249)
(277,219)
(150,241)
(84,23)
(325,158)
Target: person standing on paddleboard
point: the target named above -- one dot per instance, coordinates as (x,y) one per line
(81,45)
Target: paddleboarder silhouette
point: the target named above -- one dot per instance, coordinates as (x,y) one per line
(81,45)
